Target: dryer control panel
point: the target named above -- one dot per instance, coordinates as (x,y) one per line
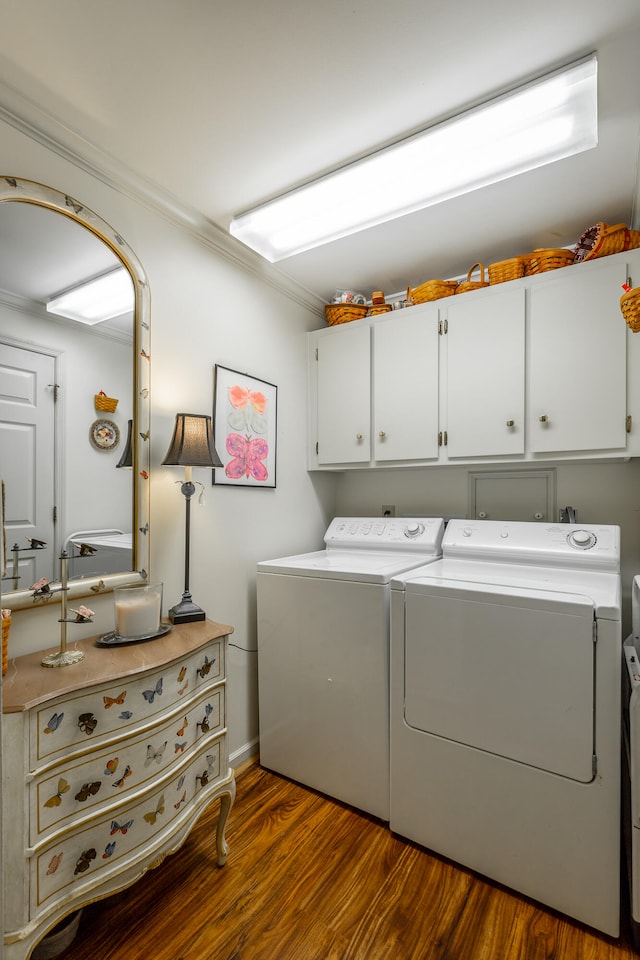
(589,546)
(422,534)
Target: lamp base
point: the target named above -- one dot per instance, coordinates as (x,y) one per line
(186,611)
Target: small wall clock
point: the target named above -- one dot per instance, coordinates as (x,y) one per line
(104,434)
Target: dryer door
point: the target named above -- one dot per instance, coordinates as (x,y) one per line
(503,671)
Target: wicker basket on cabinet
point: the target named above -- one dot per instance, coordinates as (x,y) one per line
(432,290)
(505,270)
(467,285)
(344,312)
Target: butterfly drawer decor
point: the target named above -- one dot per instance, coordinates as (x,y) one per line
(117,771)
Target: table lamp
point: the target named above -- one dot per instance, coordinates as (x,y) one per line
(191,446)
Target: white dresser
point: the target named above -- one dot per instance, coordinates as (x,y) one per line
(108,764)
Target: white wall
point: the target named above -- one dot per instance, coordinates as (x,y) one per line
(204,310)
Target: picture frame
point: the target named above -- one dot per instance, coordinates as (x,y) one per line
(245,411)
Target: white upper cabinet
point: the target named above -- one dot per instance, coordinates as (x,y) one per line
(577,360)
(405,385)
(485,374)
(344,396)
(538,368)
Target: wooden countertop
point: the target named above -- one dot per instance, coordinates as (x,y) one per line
(27,683)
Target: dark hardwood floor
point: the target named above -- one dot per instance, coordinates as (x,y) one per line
(311,879)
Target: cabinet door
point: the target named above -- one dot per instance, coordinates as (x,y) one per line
(485,374)
(344,396)
(577,360)
(405,386)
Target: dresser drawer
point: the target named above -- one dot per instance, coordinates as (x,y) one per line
(66,725)
(74,788)
(90,855)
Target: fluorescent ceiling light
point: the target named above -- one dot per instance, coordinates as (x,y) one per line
(544,121)
(106,297)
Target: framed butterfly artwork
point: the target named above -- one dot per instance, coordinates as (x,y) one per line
(245,429)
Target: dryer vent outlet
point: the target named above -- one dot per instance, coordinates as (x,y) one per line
(388,510)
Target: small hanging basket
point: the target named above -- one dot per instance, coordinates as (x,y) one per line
(601,240)
(630,307)
(432,290)
(467,285)
(105,403)
(506,270)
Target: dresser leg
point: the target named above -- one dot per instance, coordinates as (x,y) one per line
(226,802)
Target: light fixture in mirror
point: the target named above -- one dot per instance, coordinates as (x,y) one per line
(97,300)
(26,196)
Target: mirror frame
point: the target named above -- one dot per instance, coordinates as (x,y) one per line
(14,189)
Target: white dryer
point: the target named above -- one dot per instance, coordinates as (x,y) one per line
(323,656)
(505,710)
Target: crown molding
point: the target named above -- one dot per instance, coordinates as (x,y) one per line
(30,119)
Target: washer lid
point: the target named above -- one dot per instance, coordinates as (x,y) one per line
(364,566)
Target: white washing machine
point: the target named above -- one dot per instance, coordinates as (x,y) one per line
(323,656)
(505,710)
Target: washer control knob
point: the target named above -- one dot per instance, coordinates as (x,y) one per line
(582,539)
(466,531)
(413,529)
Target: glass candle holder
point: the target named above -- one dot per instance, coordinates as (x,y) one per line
(138,608)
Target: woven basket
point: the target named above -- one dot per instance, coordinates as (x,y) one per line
(630,307)
(467,285)
(506,270)
(634,239)
(432,290)
(344,312)
(6,626)
(601,240)
(549,258)
(105,403)
(379,308)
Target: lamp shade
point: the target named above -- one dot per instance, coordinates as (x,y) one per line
(126,460)
(192,442)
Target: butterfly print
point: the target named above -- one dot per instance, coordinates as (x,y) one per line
(150,695)
(180,801)
(54,863)
(111,767)
(56,799)
(180,782)
(180,747)
(87,723)
(249,407)
(88,790)
(180,732)
(154,814)
(125,715)
(206,667)
(84,860)
(183,689)
(182,674)
(153,754)
(98,587)
(120,827)
(247,456)
(127,773)
(145,355)
(204,723)
(109,701)
(54,722)
(75,206)
(108,850)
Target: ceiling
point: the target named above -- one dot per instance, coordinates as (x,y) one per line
(213,106)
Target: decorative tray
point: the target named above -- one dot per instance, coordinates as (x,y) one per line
(113,639)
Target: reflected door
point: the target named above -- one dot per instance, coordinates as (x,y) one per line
(27,459)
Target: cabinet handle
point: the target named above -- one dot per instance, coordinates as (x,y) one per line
(510,423)
(358,437)
(544,418)
(382,434)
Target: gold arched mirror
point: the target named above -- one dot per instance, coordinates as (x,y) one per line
(68,483)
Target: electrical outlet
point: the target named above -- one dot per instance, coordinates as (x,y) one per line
(388,510)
